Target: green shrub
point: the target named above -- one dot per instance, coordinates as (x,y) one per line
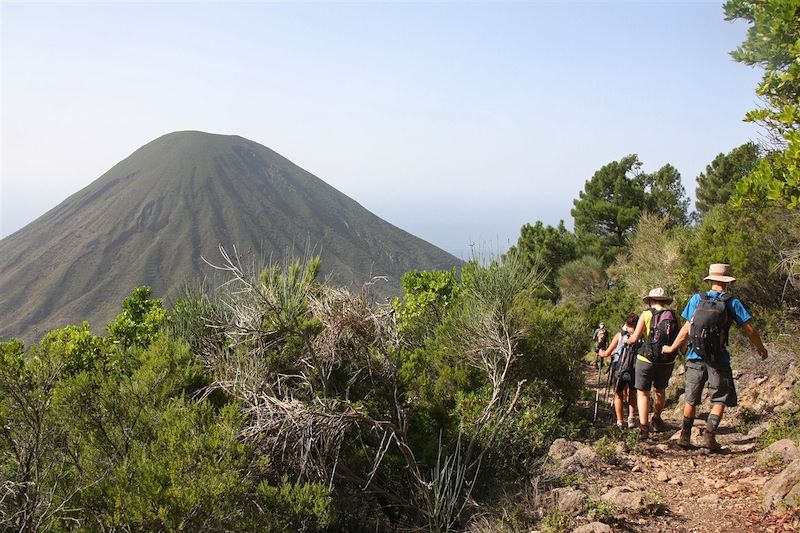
(752,240)
(606,449)
(298,506)
(600,511)
(786,426)
(555,521)
(652,504)
(553,348)
(140,321)
(652,258)
(537,420)
(748,419)
(582,282)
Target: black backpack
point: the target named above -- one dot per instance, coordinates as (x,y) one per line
(710,323)
(602,339)
(664,330)
(627,359)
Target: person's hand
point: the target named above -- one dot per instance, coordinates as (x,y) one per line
(762,352)
(667,350)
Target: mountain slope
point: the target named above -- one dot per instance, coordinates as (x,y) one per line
(153,216)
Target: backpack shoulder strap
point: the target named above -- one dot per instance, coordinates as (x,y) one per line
(726,298)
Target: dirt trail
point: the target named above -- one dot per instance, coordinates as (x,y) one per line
(686,490)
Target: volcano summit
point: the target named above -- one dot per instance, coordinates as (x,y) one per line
(152,218)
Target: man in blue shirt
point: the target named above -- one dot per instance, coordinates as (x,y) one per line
(718,375)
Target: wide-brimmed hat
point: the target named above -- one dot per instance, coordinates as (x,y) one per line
(720,272)
(658,294)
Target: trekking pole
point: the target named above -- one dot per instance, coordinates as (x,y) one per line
(613,396)
(608,383)
(597,390)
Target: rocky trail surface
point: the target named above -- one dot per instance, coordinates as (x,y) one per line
(617,483)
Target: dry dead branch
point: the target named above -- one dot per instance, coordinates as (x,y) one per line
(315,368)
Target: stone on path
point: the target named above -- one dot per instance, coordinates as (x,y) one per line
(743,448)
(594,527)
(624,498)
(709,498)
(569,500)
(783,488)
(561,449)
(571,456)
(785,450)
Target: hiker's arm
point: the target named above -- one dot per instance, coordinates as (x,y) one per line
(683,334)
(611,348)
(637,333)
(755,338)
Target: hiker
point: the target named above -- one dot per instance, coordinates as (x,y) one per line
(657,327)
(600,337)
(624,392)
(709,316)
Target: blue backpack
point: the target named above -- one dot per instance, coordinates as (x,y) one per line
(626,360)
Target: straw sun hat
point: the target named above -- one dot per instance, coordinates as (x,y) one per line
(720,272)
(658,294)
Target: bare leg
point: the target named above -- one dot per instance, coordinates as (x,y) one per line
(661,400)
(643,401)
(631,397)
(618,406)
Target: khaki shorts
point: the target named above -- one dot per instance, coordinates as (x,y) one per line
(721,388)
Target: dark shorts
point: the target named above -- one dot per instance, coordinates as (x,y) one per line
(649,375)
(721,388)
(622,386)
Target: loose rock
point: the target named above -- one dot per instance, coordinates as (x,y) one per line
(756,481)
(561,449)
(623,497)
(569,500)
(594,527)
(785,450)
(734,488)
(709,498)
(741,471)
(783,488)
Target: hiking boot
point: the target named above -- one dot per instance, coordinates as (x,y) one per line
(632,424)
(643,432)
(658,425)
(710,442)
(620,425)
(685,439)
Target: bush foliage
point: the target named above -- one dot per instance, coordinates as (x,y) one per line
(278,403)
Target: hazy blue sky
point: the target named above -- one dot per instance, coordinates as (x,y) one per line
(458,122)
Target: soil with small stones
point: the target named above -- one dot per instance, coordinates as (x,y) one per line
(689,490)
